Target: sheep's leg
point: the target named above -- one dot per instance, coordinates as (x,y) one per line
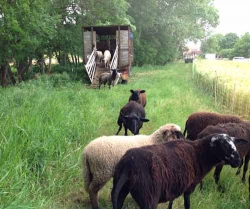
(186,200)
(120,127)
(217,176)
(201,186)
(217,173)
(126,131)
(94,187)
(238,170)
(170,204)
(247,157)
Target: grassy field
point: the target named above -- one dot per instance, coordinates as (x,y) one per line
(46,123)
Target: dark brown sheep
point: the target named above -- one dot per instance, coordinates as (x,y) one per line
(238,130)
(138,96)
(160,173)
(196,122)
(131,116)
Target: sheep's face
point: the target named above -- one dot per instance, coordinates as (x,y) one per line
(135,94)
(226,149)
(170,132)
(134,123)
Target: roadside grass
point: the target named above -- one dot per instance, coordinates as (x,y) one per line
(46,123)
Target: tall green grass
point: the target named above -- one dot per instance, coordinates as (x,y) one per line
(46,123)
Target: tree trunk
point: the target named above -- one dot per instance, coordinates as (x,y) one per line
(10,74)
(3,75)
(50,57)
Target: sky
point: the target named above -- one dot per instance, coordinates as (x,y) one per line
(234,16)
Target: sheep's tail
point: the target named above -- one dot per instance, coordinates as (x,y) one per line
(120,183)
(185,130)
(87,175)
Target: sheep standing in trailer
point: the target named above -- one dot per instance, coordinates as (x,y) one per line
(196,122)
(101,155)
(131,116)
(238,130)
(138,96)
(160,173)
(108,78)
(98,56)
(107,58)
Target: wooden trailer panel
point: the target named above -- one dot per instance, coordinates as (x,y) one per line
(88,43)
(123,47)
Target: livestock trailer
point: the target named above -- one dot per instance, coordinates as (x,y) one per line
(118,39)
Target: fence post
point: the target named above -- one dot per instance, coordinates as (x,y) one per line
(193,66)
(215,88)
(233,99)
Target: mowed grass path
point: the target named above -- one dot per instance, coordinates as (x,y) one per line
(45,125)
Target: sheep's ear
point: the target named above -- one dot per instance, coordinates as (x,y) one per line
(132,91)
(239,141)
(213,141)
(144,119)
(142,91)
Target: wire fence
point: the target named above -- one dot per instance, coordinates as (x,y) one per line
(226,96)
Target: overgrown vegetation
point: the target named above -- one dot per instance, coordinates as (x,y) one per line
(40,30)
(45,125)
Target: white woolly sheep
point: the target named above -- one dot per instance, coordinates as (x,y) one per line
(98,56)
(101,155)
(107,58)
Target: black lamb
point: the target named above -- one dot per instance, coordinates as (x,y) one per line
(131,116)
(160,173)
(108,78)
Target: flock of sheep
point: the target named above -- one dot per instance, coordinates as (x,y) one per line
(162,166)
(109,78)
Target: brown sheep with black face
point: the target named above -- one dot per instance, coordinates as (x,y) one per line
(138,96)
(197,121)
(160,173)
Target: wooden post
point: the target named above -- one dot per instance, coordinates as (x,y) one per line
(119,46)
(193,66)
(215,88)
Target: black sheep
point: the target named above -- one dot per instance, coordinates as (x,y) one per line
(196,122)
(239,130)
(138,96)
(108,78)
(160,173)
(131,116)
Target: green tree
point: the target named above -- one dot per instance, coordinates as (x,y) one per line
(242,47)
(163,26)
(25,26)
(229,41)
